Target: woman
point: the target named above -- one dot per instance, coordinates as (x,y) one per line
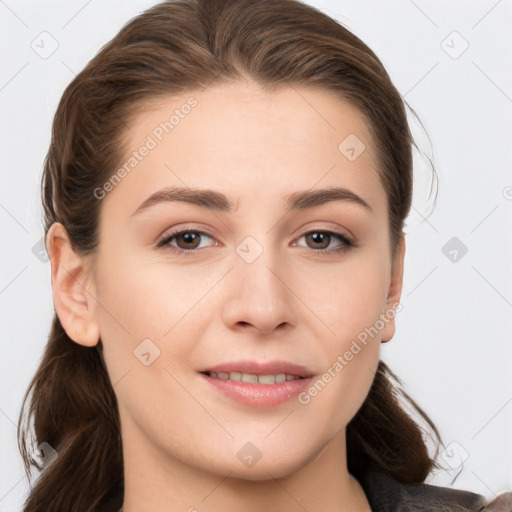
(224,199)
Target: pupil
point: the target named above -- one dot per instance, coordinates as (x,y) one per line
(318,238)
(189,238)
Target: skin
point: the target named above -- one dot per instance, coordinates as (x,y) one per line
(180,436)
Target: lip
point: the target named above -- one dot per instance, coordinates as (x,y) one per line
(260,395)
(261,368)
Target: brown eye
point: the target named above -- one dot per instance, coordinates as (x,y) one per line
(184,241)
(188,240)
(321,241)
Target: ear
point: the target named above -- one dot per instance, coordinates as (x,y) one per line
(394,292)
(72,288)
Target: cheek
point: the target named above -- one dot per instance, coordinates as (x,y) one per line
(143,299)
(341,388)
(347,297)
(351,306)
(130,314)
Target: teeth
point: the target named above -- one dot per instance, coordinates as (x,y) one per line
(271,379)
(252,378)
(248,377)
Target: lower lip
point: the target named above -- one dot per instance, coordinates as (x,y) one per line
(259,395)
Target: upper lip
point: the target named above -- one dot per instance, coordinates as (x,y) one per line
(261,368)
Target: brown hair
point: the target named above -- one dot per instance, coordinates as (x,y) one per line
(174,47)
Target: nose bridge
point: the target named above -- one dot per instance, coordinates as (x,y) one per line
(259,296)
(259,276)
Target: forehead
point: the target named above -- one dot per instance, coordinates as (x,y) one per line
(253,143)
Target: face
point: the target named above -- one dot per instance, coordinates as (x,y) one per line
(263,274)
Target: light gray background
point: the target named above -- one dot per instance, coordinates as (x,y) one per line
(453,344)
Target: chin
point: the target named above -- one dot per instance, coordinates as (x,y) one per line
(274,465)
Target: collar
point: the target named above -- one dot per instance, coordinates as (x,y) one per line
(385,494)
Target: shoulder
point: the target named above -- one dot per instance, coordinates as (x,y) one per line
(386,494)
(503,503)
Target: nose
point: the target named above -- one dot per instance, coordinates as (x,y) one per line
(259,296)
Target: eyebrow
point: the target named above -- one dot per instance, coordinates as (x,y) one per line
(218,201)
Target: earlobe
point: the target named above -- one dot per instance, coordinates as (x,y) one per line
(394,292)
(72,288)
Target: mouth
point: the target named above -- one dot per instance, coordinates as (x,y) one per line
(253,378)
(258,384)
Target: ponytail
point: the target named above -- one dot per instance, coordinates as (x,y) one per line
(74,411)
(383,436)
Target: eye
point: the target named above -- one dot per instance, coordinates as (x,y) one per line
(186,241)
(321,241)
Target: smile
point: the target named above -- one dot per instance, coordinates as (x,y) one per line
(253,378)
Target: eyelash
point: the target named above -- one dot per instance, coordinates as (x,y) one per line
(346,242)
